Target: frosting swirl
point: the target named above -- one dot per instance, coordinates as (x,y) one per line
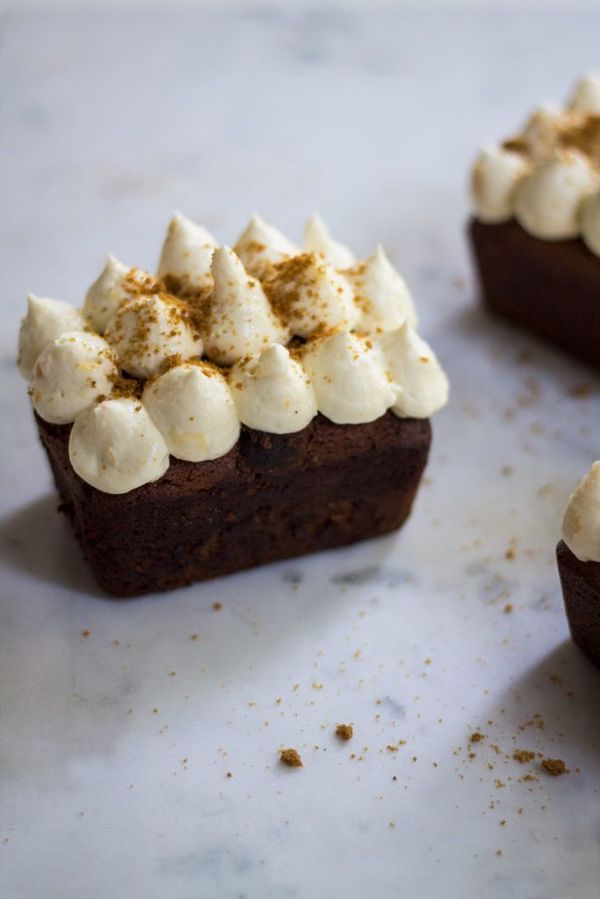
(116,447)
(581,522)
(272,392)
(45,321)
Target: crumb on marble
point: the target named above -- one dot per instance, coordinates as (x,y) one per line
(291,758)
(344,731)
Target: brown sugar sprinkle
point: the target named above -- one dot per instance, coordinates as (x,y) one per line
(477,737)
(582,135)
(86,633)
(217,606)
(554,767)
(344,731)
(291,758)
(138,283)
(523,755)
(291,280)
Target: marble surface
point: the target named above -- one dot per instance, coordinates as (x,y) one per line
(122,721)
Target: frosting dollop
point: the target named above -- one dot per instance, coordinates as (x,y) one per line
(186,255)
(272,392)
(148,331)
(348,376)
(586,96)
(193,409)
(260,245)
(381,293)
(413,366)
(238,318)
(494,179)
(115,285)
(115,446)
(542,132)
(45,321)
(70,374)
(310,295)
(318,239)
(581,522)
(548,201)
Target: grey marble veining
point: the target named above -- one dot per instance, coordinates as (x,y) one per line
(116,745)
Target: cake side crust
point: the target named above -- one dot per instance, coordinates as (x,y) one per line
(551,288)
(580,583)
(271,497)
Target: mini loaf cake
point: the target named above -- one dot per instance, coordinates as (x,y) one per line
(240,406)
(578,556)
(535,230)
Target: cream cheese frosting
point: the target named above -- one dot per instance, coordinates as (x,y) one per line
(413,366)
(70,374)
(115,446)
(240,319)
(586,96)
(494,180)
(548,201)
(318,239)
(382,295)
(348,376)
(148,331)
(266,341)
(310,295)
(45,321)
(548,175)
(260,245)
(272,392)
(187,254)
(581,522)
(193,409)
(115,284)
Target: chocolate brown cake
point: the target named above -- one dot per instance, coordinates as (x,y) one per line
(552,289)
(239,407)
(580,583)
(535,233)
(271,497)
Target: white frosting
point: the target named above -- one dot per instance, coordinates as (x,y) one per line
(239,319)
(581,522)
(260,245)
(586,96)
(70,374)
(272,392)
(45,321)
(413,366)
(193,409)
(590,223)
(348,376)
(115,285)
(148,330)
(310,295)
(494,180)
(318,239)
(542,131)
(187,253)
(548,201)
(116,447)
(382,295)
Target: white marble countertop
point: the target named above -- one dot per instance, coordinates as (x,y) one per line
(116,746)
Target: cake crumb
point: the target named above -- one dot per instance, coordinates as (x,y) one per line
(477,737)
(508,608)
(344,731)
(217,606)
(554,767)
(523,755)
(85,633)
(291,758)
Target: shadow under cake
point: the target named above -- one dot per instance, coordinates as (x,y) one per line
(270,497)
